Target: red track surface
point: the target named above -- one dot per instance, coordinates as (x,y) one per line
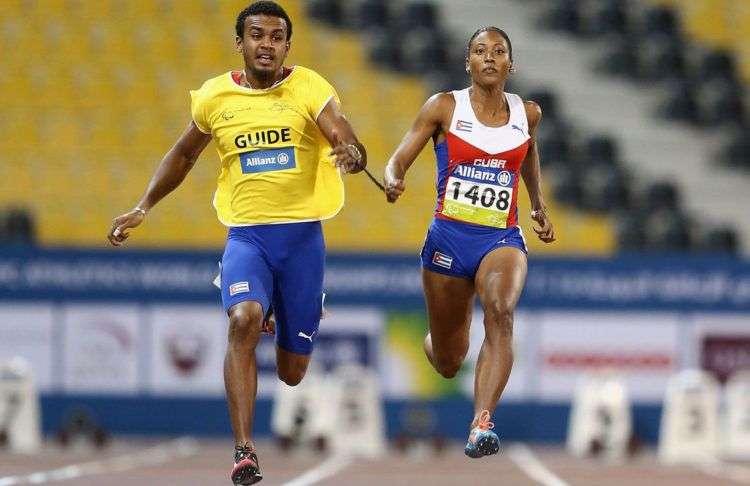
(211,460)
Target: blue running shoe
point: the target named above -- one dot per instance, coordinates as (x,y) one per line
(482,440)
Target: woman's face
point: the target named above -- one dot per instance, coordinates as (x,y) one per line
(489,59)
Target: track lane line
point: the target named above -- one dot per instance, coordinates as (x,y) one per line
(159,454)
(719,469)
(328,468)
(527,462)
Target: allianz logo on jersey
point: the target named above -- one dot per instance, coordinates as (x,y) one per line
(491,163)
(267,160)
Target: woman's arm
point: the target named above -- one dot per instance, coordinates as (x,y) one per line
(428,122)
(532,177)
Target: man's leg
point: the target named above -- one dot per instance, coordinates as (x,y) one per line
(298,302)
(240,371)
(291,367)
(246,285)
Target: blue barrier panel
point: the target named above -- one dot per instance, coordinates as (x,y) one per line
(626,282)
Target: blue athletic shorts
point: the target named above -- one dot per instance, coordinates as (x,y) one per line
(281,267)
(456,249)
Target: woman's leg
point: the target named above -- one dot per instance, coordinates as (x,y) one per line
(499,282)
(449,301)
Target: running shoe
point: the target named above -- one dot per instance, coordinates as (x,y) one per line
(246,469)
(482,440)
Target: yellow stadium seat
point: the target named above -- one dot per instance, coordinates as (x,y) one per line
(113,97)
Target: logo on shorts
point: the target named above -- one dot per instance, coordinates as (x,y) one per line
(305,336)
(238,288)
(442,260)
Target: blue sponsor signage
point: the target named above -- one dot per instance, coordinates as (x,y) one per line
(628,282)
(267,160)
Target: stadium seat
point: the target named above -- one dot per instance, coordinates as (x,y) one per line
(606,17)
(562,15)
(680,103)
(328,11)
(662,196)
(631,234)
(737,151)
(720,240)
(668,231)
(422,50)
(419,15)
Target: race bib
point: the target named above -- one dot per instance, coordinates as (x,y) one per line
(476,202)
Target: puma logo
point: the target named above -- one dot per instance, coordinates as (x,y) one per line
(305,336)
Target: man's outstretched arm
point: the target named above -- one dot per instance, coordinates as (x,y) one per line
(169,174)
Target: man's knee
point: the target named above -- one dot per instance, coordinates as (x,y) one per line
(245,321)
(292,374)
(291,367)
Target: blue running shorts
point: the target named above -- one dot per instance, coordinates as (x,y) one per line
(281,267)
(456,249)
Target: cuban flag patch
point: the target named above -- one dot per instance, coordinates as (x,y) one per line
(464,126)
(442,260)
(238,288)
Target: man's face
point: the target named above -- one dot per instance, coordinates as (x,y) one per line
(264,44)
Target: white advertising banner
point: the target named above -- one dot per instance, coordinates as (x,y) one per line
(186,347)
(719,343)
(27,331)
(641,347)
(346,335)
(101,348)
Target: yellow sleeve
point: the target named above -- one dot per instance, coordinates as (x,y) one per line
(319,94)
(198,111)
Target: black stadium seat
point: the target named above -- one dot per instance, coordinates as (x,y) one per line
(328,11)
(662,195)
(720,240)
(606,17)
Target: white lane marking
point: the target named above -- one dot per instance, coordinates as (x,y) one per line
(159,454)
(735,472)
(533,467)
(330,467)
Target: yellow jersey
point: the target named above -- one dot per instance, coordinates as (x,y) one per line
(274,159)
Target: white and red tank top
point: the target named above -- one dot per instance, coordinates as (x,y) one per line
(478,167)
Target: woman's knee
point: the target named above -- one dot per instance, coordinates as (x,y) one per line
(245,321)
(498,320)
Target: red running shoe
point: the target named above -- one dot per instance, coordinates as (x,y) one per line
(246,469)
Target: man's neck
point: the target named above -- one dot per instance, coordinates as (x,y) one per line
(264,82)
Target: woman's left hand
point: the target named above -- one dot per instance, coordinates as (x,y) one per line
(545,232)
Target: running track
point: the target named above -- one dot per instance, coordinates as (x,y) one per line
(191,462)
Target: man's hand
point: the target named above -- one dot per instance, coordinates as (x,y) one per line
(394,186)
(118,232)
(545,232)
(348,156)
